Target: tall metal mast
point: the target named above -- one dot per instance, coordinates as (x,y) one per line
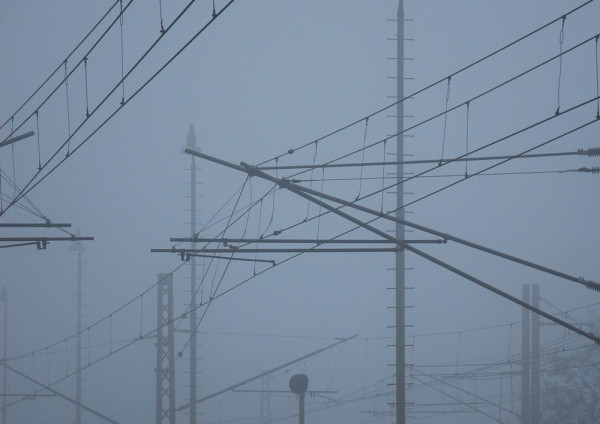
(525,362)
(78,247)
(165,351)
(400,267)
(4,303)
(191,142)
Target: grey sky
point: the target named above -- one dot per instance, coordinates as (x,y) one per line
(265,77)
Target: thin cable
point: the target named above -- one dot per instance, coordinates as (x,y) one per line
(87,108)
(122,55)
(13,158)
(472,64)
(162,28)
(363,156)
(61,63)
(30,185)
(166,64)
(270,222)
(258,235)
(382,175)
(319,213)
(561,38)
(68,110)
(504,161)
(467,145)
(37,126)
(399,183)
(476,97)
(141,313)
(249,180)
(311,174)
(445,119)
(96,323)
(597,82)
(59,85)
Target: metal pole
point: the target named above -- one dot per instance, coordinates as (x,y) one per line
(301,406)
(4,299)
(191,142)
(525,362)
(165,351)
(400,255)
(78,247)
(535,358)
(78,375)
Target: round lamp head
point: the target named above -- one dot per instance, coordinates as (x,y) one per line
(299,383)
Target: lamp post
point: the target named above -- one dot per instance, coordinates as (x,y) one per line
(298,385)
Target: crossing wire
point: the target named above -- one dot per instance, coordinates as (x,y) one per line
(31,184)
(61,64)
(59,85)
(437,115)
(211,299)
(426,88)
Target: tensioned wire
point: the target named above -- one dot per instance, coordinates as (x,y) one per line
(30,185)
(61,64)
(213,297)
(472,64)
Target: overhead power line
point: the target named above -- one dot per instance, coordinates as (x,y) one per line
(61,64)
(590,152)
(442,80)
(32,183)
(302,192)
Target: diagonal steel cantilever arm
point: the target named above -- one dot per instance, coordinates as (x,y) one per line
(300,191)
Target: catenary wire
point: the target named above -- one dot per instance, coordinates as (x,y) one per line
(61,63)
(472,64)
(30,185)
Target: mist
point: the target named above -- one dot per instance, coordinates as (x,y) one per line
(291,88)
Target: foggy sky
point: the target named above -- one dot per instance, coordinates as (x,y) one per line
(266,77)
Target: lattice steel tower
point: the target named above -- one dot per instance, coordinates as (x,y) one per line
(165,352)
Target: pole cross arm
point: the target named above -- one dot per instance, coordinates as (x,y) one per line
(304,192)
(592,285)
(12,140)
(292,187)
